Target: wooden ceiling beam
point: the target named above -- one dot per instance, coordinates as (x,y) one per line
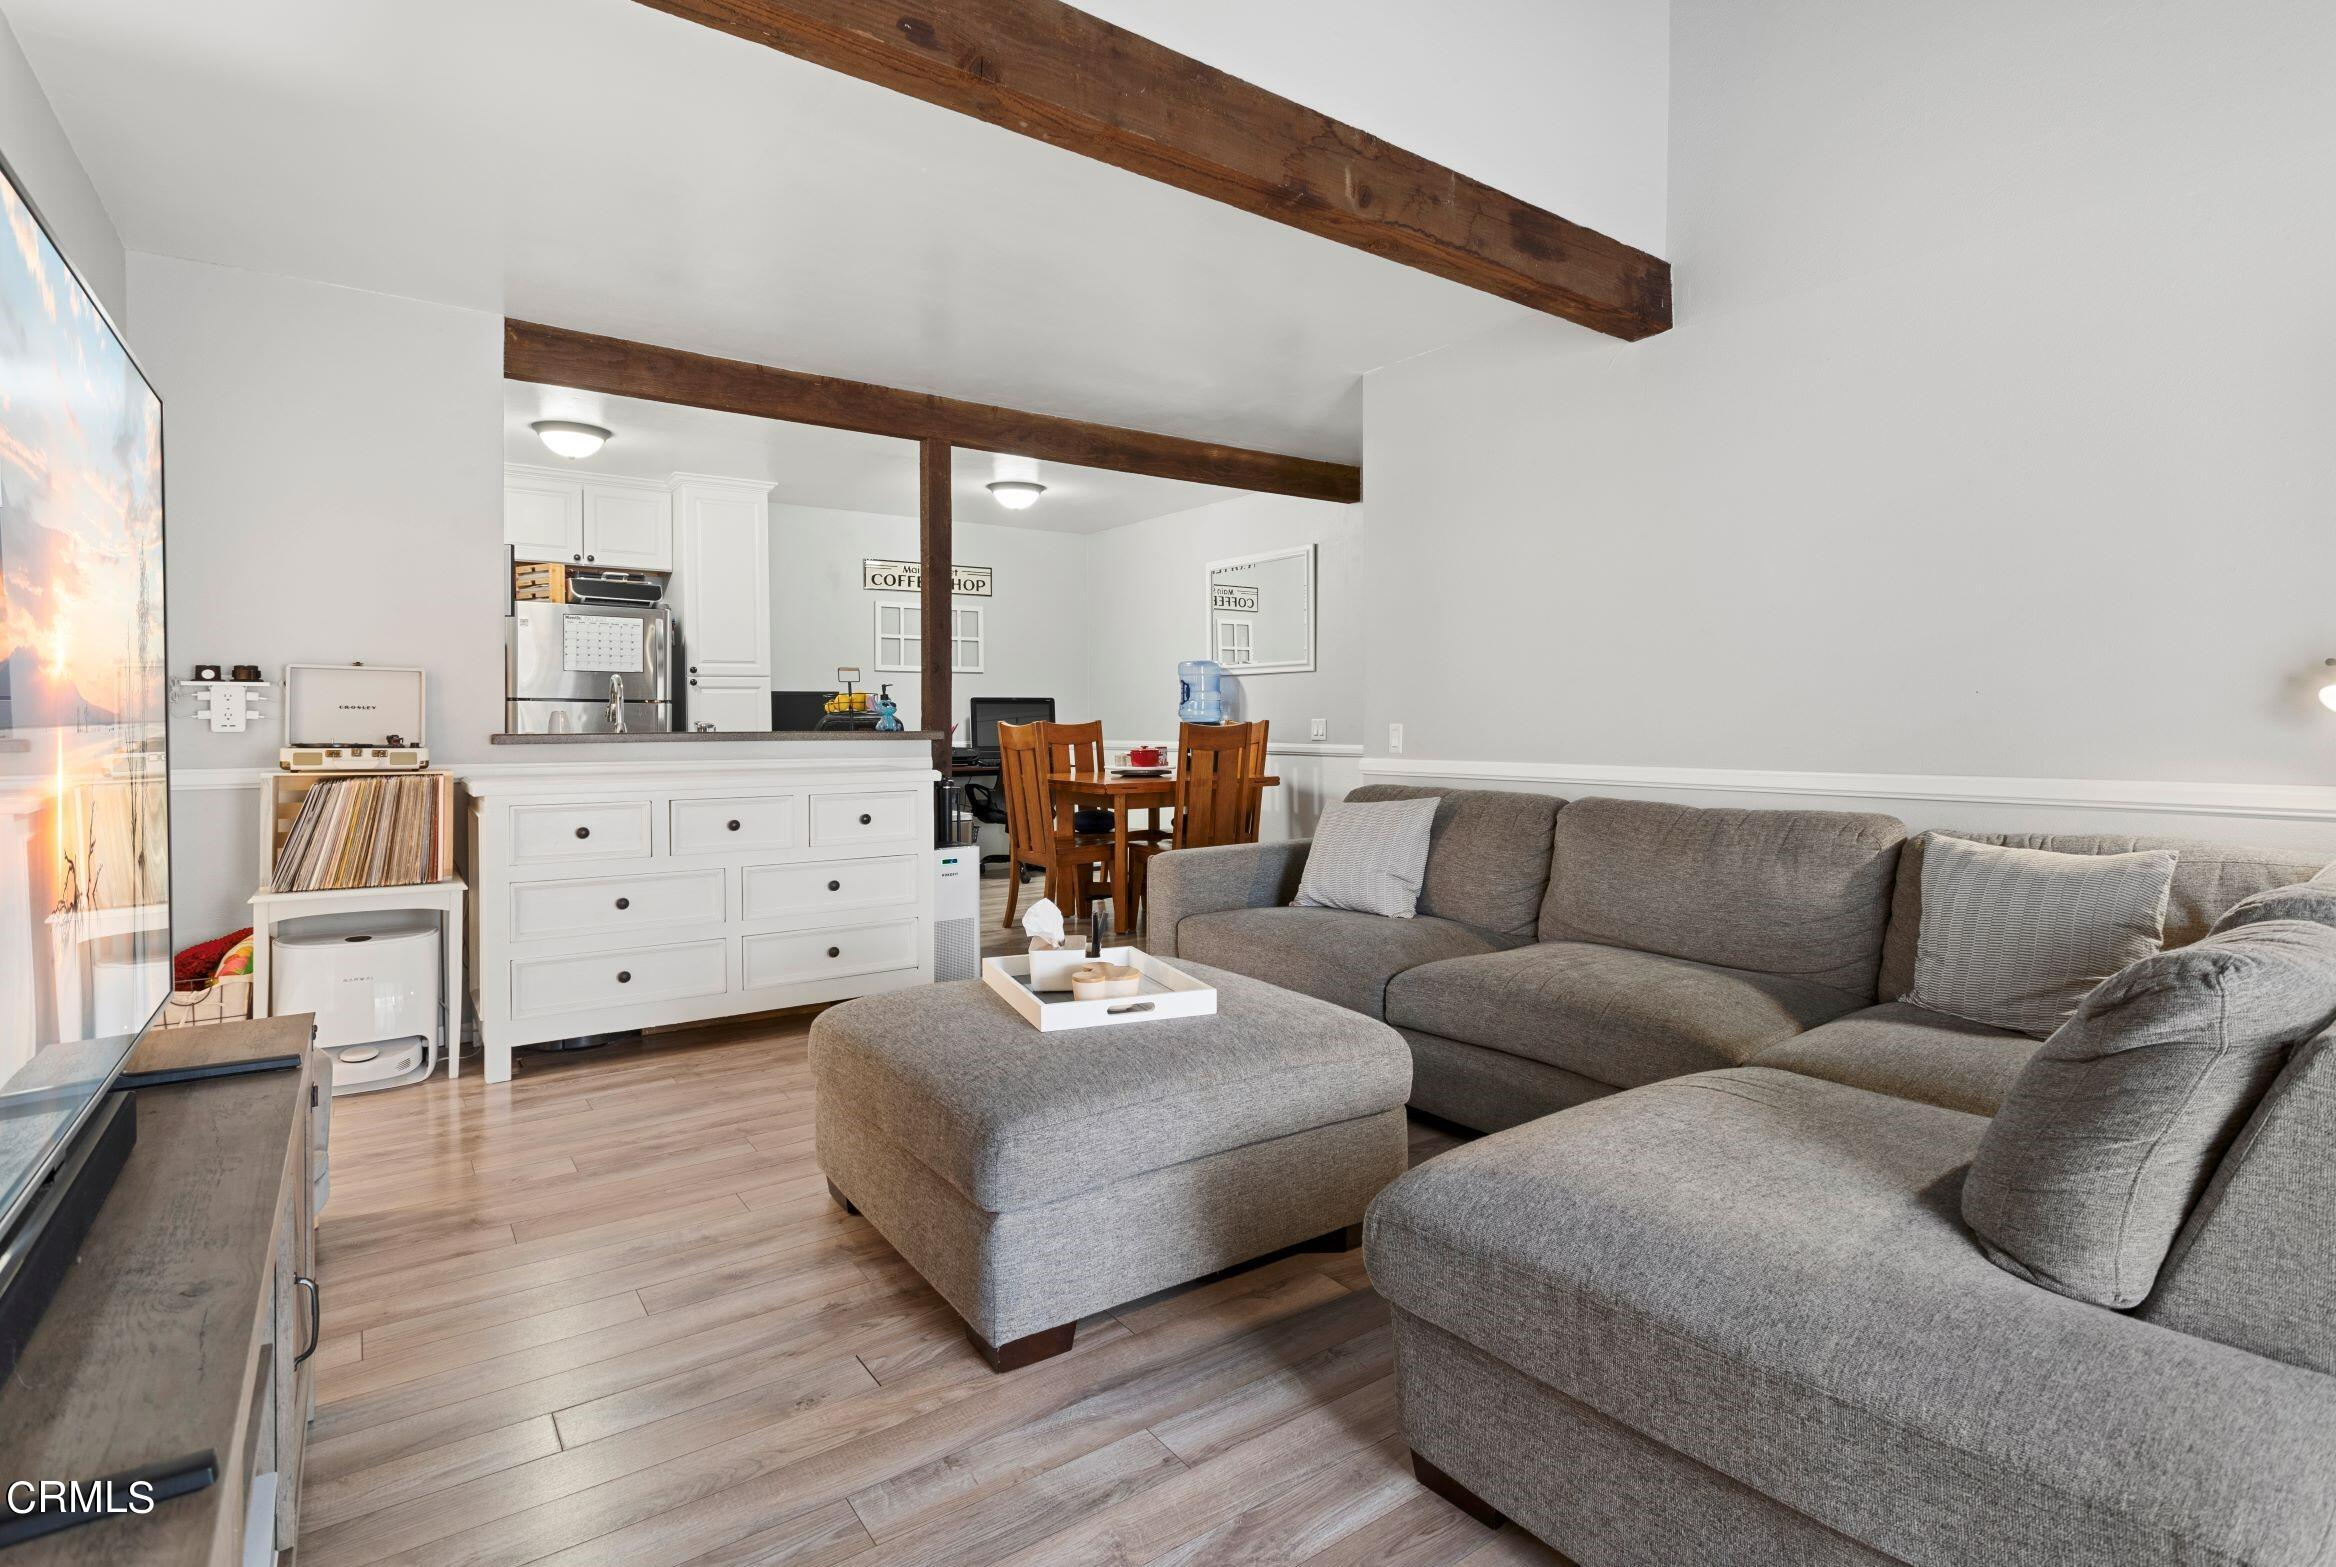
(555,356)
(1052,72)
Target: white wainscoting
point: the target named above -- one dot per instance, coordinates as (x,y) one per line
(1312,776)
(2287,816)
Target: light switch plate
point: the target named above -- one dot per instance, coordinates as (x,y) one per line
(1319,729)
(1395,739)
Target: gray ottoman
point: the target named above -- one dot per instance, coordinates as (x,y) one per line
(1034,1179)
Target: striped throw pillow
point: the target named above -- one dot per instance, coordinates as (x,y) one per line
(2016,938)
(1369,856)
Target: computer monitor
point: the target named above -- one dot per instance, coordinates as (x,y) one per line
(990,711)
(798,710)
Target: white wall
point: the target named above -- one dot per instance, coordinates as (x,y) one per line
(822,615)
(1559,102)
(1098,622)
(1148,586)
(36,147)
(1993,439)
(335,493)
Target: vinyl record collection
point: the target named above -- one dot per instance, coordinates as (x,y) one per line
(389,831)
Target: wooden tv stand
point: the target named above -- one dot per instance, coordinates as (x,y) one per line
(177,1329)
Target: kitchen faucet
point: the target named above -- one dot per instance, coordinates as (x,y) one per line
(616,704)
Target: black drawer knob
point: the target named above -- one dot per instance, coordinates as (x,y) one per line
(866,819)
(583,832)
(589,557)
(733,824)
(624,903)
(835,952)
(835,886)
(624,976)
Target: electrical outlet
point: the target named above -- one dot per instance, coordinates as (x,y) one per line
(1394,739)
(1318,729)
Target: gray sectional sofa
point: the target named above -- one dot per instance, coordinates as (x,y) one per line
(1724,1308)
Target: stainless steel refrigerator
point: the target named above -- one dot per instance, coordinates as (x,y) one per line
(588,669)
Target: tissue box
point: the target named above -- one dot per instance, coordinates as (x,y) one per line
(1052,970)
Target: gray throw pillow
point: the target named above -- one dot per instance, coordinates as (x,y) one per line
(2015,938)
(1369,856)
(2085,1175)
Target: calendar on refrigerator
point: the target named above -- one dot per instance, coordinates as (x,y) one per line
(603,645)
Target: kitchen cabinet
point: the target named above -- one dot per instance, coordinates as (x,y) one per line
(732,706)
(618,898)
(543,515)
(722,591)
(629,525)
(596,519)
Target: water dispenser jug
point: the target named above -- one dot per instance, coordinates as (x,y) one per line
(1204,692)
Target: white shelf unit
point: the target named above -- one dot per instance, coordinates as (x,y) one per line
(269,908)
(446,899)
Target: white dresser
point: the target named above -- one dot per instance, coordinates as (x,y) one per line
(608,898)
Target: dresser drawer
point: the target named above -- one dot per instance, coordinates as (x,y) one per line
(716,826)
(828,886)
(843,820)
(617,979)
(599,830)
(616,903)
(793,957)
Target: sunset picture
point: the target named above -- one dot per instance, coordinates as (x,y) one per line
(84,903)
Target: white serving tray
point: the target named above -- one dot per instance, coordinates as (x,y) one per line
(1167,992)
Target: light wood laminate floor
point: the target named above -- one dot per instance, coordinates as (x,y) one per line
(605,1314)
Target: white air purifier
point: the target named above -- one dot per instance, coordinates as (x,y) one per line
(372,982)
(957,912)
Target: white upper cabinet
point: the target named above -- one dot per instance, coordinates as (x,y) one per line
(724,577)
(588,520)
(629,526)
(543,515)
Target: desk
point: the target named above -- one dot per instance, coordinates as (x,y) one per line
(1123,794)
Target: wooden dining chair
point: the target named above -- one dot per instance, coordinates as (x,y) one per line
(1217,766)
(1257,769)
(1073,863)
(1072,748)
(1077,748)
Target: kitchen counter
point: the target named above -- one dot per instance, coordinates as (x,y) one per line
(717,735)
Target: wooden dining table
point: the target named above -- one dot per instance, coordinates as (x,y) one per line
(1122,793)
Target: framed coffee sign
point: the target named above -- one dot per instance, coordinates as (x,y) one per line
(906,576)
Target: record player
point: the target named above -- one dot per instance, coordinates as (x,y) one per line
(353,718)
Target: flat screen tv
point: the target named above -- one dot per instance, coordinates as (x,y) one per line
(84,760)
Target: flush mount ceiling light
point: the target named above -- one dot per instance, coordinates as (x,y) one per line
(1017,494)
(2328,685)
(568,438)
